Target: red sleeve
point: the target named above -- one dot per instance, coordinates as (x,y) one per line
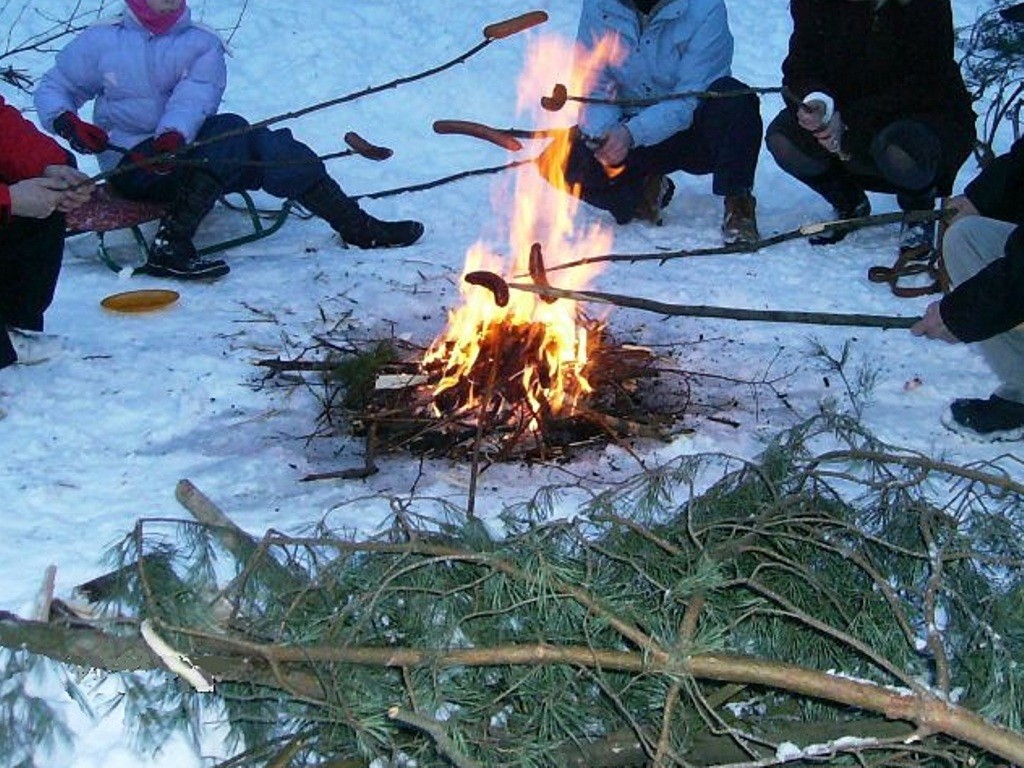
(25,151)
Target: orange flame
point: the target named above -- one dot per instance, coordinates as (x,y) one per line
(543,212)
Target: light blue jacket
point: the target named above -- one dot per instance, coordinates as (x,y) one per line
(683,45)
(143,84)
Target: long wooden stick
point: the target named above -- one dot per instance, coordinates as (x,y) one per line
(492,32)
(728,313)
(560,95)
(844,226)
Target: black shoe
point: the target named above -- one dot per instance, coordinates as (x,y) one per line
(180,260)
(994,419)
(832,236)
(374,233)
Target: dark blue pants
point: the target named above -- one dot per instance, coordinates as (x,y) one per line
(270,160)
(915,158)
(30,257)
(723,141)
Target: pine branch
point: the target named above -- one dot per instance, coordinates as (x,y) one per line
(93,649)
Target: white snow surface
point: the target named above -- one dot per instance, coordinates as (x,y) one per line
(125,406)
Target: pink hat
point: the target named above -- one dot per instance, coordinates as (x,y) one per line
(155,21)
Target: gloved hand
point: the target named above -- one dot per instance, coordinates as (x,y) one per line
(165,143)
(83,137)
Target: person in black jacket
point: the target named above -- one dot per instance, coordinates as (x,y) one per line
(983,251)
(875,101)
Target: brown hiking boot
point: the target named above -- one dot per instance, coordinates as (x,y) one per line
(740,223)
(658,191)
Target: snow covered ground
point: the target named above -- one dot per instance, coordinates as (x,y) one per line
(98,434)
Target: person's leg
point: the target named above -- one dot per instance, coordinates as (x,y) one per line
(969,246)
(281,165)
(797,153)
(191,189)
(31,251)
(620,194)
(728,141)
(907,154)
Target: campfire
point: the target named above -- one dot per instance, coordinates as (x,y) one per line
(512,370)
(516,373)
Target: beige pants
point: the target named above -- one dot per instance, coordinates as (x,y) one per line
(968,246)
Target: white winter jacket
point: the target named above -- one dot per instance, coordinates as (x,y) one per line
(143,84)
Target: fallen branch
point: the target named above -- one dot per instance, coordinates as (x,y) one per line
(241,661)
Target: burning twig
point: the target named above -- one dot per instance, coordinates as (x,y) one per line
(560,95)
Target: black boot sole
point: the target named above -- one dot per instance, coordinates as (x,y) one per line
(206,271)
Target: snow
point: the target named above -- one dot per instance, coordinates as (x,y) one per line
(99,434)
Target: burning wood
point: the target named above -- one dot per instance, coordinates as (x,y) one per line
(489,408)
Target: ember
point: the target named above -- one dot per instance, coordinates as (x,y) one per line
(490,409)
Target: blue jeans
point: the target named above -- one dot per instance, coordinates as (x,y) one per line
(245,159)
(724,141)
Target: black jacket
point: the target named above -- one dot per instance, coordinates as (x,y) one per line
(878,64)
(992,301)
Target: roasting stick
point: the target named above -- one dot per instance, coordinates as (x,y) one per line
(560,95)
(499,287)
(499,30)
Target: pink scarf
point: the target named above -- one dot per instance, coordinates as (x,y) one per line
(155,22)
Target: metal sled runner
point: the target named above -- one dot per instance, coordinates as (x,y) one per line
(107,212)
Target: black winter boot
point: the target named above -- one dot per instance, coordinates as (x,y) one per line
(848,202)
(356,227)
(173,254)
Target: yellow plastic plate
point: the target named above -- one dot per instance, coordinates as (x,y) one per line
(145,300)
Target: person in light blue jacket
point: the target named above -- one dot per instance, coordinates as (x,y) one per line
(634,127)
(157,80)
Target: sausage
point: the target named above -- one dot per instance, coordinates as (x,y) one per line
(492,282)
(554,102)
(479,131)
(362,147)
(509,27)
(538,274)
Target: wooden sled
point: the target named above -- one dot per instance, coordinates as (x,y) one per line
(107,212)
